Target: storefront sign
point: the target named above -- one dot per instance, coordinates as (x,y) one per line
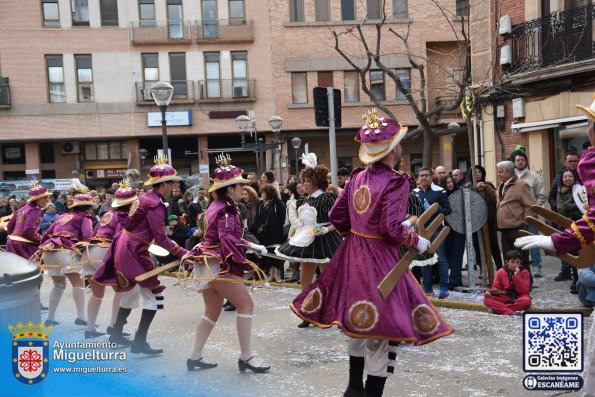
(108,173)
(32,171)
(171,118)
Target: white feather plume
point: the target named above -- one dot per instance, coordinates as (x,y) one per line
(76,183)
(309,160)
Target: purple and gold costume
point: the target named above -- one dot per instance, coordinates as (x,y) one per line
(69,229)
(110,224)
(223,231)
(24,224)
(370,211)
(128,255)
(582,232)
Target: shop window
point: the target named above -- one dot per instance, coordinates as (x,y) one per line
(46,152)
(13,153)
(102,151)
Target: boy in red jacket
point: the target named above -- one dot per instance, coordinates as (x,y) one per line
(510,292)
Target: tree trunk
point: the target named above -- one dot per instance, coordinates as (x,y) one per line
(428,137)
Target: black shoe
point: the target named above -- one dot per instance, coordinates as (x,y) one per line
(93,334)
(51,322)
(43,307)
(200,363)
(294,278)
(563,277)
(230,308)
(351,392)
(304,324)
(109,332)
(78,321)
(226,304)
(143,347)
(120,340)
(573,289)
(243,365)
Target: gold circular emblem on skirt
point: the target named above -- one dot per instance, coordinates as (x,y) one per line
(363,316)
(65,219)
(313,301)
(425,320)
(362,198)
(106,218)
(133,207)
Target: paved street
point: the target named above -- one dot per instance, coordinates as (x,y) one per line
(482,358)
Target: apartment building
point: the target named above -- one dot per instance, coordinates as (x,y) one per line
(74,79)
(540,59)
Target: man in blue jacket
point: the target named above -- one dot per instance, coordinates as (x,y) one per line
(429,193)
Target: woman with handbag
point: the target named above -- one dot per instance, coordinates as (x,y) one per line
(270,230)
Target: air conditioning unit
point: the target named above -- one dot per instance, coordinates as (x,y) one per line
(70,148)
(241,91)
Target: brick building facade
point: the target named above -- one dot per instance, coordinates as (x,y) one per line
(74,99)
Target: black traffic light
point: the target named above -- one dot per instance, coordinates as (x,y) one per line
(321,107)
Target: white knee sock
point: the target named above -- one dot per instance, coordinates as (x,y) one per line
(115,307)
(92,311)
(78,294)
(244,325)
(55,296)
(203,330)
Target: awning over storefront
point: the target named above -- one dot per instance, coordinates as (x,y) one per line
(568,122)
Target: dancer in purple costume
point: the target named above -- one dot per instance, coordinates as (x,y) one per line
(59,252)
(111,223)
(579,235)
(22,228)
(128,257)
(369,212)
(223,245)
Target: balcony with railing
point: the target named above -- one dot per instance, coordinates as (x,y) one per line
(561,38)
(4,95)
(225,31)
(183,92)
(216,90)
(161,32)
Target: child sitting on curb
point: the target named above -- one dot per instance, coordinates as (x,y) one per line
(510,292)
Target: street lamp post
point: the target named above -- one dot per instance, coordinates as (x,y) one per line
(143,155)
(245,124)
(296,143)
(162,93)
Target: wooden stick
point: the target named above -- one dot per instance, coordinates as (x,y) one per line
(552,216)
(390,281)
(156,271)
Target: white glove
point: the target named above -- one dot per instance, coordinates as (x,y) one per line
(322,231)
(529,242)
(258,249)
(406,223)
(422,245)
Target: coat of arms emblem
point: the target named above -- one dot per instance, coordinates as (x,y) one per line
(30,352)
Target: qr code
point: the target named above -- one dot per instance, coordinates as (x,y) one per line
(553,342)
